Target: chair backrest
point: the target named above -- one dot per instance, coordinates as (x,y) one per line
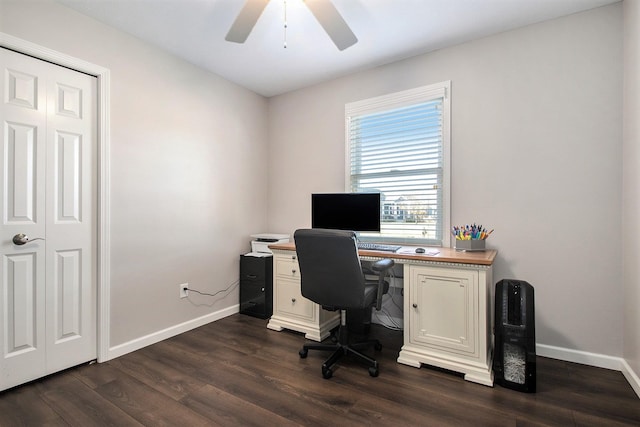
(330,270)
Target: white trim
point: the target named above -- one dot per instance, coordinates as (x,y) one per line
(591,359)
(171,331)
(631,376)
(104,219)
(582,357)
(446,161)
(399,99)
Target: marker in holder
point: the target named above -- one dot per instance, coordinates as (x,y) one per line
(470,237)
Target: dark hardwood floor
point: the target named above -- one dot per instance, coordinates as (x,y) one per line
(236,372)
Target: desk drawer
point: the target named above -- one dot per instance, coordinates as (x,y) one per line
(291,303)
(287,266)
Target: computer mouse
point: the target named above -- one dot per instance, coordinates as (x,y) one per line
(420,250)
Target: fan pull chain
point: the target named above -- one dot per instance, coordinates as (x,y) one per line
(285,24)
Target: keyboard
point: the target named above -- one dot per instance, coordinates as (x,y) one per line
(377,247)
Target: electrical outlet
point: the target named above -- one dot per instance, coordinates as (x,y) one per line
(184,290)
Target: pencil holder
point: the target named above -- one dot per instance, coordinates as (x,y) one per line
(470,245)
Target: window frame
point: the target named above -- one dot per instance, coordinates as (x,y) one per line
(401,99)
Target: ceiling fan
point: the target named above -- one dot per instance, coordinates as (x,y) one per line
(324,11)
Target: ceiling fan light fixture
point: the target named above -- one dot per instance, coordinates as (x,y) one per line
(323,10)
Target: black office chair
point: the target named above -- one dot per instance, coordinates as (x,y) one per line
(331,276)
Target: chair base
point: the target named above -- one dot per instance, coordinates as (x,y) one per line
(343,348)
(359,321)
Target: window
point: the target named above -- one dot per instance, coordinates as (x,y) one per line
(399,145)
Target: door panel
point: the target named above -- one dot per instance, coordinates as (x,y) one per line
(69,101)
(22,89)
(22,304)
(443,308)
(47,167)
(67,173)
(68,289)
(20,165)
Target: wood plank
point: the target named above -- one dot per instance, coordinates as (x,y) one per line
(146,405)
(22,406)
(227,409)
(80,406)
(159,375)
(96,374)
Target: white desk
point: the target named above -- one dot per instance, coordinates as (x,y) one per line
(448,308)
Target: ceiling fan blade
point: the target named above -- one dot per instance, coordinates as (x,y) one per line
(332,22)
(246,20)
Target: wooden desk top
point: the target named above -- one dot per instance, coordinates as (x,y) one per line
(445,255)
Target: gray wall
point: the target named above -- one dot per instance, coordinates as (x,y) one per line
(536,154)
(188,176)
(631,187)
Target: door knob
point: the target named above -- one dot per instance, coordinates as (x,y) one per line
(21,239)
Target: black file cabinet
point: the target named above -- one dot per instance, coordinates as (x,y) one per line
(256,286)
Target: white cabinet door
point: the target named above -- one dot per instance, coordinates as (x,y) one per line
(47,190)
(443,309)
(447,319)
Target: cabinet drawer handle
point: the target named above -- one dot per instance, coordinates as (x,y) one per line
(293,300)
(293,271)
(415,305)
(293,257)
(252,276)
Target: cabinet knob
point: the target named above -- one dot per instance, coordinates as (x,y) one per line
(262,289)
(293,257)
(293,300)
(293,271)
(415,305)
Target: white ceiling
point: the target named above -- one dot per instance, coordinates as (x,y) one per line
(387,30)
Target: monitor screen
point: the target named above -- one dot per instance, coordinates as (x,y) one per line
(346,211)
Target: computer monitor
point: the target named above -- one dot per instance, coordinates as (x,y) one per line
(358,212)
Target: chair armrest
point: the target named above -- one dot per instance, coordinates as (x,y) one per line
(381,267)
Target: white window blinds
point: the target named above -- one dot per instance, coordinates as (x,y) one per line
(398,145)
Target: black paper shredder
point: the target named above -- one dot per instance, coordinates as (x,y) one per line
(514,359)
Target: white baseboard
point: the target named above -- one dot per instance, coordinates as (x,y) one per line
(631,376)
(592,359)
(172,331)
(577,356)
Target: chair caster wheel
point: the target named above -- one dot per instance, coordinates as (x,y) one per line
(373,372)
(303,353)
(326,373)
(378,346)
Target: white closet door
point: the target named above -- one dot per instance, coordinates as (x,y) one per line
(48,180)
